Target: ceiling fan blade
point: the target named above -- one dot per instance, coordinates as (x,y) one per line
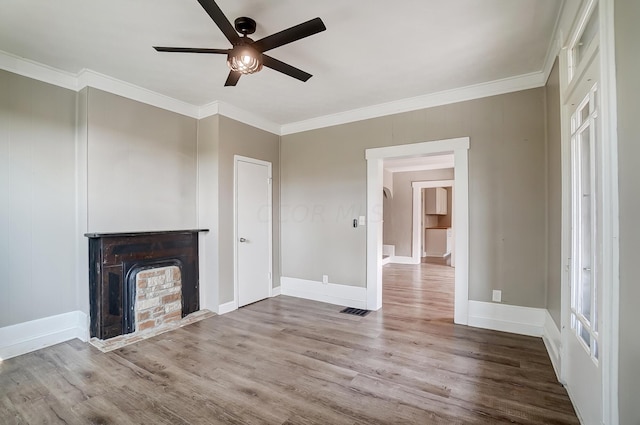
(285,68)
(232,79)
(290,35)
(220,19)
(191,50)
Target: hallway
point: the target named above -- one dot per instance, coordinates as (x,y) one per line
(426,290)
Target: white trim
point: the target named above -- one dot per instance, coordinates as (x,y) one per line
(401,259)
(425,167)
(38,71)
(236,159)
(611,222)
(332,293)
(386,260)
(209,109)
(476,91)
(276,291)
(555,45)
(417,213)
(553,341)
(375,158)
(89,78)
(249,118)
(30,336)
(227,307)
(418,149)
(507,318)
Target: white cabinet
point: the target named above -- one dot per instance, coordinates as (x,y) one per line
(435,201)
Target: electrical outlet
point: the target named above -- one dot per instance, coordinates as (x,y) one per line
(362,220)
(325,279)
(497,296)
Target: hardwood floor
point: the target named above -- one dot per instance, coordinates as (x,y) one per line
(294,361)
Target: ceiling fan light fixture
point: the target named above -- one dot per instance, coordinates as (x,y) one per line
(245,60)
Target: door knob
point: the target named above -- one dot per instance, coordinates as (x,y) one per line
(243,240)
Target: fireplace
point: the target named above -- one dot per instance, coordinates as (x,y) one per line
(116,259)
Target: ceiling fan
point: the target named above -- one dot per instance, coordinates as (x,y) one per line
(247,56)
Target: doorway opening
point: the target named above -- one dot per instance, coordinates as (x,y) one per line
(417,236)
(458,148)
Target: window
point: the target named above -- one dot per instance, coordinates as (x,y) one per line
(584,303)
(579,48)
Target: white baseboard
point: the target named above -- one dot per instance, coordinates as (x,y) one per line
(385,260)
(507,318)
(399,259)
(553,341)
(349,296)
(31,336)
(276,291)
(227,307)
(389,250)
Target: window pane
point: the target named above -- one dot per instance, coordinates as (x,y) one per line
(584,287)
(584,334)
(584,113)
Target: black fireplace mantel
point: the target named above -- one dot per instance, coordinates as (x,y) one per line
(114,261)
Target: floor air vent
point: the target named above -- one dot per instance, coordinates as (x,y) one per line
(355,311)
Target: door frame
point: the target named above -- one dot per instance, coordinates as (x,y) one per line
(416,252)
(236,160)
(375,158)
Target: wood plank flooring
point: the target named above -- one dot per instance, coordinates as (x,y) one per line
(293,361)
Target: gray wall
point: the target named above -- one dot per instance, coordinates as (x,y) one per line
(141,166)
(402,206)
(554,195)
(208,147)
(37,200)
(236,138)
(627,34)
(324,174)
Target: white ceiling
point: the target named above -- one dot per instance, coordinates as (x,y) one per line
(373,52)
(421,163)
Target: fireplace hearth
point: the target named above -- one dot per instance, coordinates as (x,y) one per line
(115,259)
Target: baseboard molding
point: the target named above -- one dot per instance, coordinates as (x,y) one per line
(385,260)
(507,318)
(276,291)
(399,259)
(227,307)
(350,296)
(553,341)
(26,337)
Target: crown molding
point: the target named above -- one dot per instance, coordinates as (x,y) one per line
(555,44)
(476,91)
(37,71)
(249,118)
(238,114)
(89,78)
(208,110)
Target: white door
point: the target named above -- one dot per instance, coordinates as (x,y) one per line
(582,338)
(253,230)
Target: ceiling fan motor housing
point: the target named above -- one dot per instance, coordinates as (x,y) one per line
(245,25)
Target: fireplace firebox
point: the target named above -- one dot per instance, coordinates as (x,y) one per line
(114,261)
